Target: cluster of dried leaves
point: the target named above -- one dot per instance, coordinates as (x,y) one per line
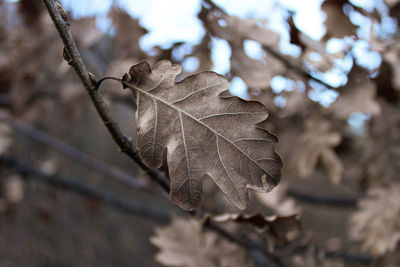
(196,132)
(185,243)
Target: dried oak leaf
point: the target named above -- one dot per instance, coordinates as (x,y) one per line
(184,243)
(200,133)
(358,95)
(127,33)
(255,73)
(281,228)
(234,29)
(316,144)
(382,153)
(85,32)
(279,202)
(376,222)
(202,52)
(326,60)
(338,24)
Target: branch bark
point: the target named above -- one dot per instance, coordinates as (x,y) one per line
(349,202)
(85,190)
(73,153)
(124,143)
(276,53)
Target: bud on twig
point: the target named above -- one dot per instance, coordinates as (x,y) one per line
(62,12)
(65,55)
(92,79)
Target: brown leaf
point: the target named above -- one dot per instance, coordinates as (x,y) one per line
(127,33)
(281,228)
(202,134)
(203,53)
(376,223)
(337,24)
(279,202)
(316,144)
(358,95)
(255,73)
(85,32)
(236,29)
(184,243)
(297,102)
(382,155)
(326,60)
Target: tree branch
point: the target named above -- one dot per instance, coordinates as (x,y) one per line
(331,201)
(129,207)
(86,190)
(273,260)
(74,154)
(276,53)
(124,143)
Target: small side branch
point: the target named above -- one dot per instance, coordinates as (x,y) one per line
(122,141)
(72,153)
(85,190)
(276,53)
(330,201)
(75,60)
(128,207)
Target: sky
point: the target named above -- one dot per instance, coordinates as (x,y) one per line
(176,20)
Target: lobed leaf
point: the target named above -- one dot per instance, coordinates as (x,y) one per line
(200,132)
(184,243)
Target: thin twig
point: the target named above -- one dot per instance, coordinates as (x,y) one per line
(354,258)
(127,179)
(129,207)
(248,244)
(322,200)
(86,190)
(74,154)
(276,53)
(123,142)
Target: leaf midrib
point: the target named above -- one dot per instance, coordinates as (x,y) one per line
(195,119)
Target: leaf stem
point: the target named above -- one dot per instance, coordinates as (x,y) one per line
(99,82)
(123,142)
